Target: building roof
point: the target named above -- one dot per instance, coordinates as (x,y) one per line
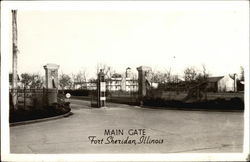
(215,79)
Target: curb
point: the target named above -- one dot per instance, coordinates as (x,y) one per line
(41,120)
(191,109)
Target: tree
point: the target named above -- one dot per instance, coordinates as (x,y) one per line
(205,72)
(65,81)
(161,77)
(107,70)
(80,77)
(32,80)
(37,81)
(26,79)
(196,82)
(157,77)
(190,74)
(167,76)
(175,79)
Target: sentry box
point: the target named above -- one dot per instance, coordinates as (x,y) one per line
(101,90)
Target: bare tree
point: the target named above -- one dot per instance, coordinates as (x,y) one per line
(32,80)
(161,77)
(202,76)
(107,70)
(175,79)
(167,75)
(190,74)
(205,72)
(164,77)
(73,77)
(157,77)
(65,81)
(80,77)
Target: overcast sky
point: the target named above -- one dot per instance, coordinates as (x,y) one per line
(161,39)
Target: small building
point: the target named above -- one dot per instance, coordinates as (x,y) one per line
(221,84)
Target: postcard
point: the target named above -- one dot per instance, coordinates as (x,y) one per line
(124,81)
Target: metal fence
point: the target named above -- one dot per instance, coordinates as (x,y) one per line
(30,98)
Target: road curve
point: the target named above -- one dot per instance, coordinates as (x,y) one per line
(181,131)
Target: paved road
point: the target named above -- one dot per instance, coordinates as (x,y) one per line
(181,131)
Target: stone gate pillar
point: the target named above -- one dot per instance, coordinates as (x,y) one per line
(51,76)
(143,71)
(51,83)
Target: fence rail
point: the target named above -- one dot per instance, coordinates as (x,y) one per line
(29,98)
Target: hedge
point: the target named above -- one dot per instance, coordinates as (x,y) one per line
(219,103)
(78,92)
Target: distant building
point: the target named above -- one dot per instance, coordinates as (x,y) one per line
(131,85)
(221,84)
(119,82)
(85,85)
(115,82)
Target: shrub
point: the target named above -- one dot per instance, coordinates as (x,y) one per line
(78,92)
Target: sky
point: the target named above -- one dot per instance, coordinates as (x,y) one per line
(161,39)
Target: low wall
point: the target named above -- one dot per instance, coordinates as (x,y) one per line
(36,98)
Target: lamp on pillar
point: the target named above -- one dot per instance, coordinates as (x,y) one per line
(101,89)
(142,82)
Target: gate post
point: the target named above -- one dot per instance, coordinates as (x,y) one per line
(51,83)
(101,89)
(142,82)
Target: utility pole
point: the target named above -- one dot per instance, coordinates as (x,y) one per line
(14,58)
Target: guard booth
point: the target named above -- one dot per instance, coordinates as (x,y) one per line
(98,97)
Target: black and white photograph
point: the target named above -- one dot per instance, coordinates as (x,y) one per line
(125,81)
